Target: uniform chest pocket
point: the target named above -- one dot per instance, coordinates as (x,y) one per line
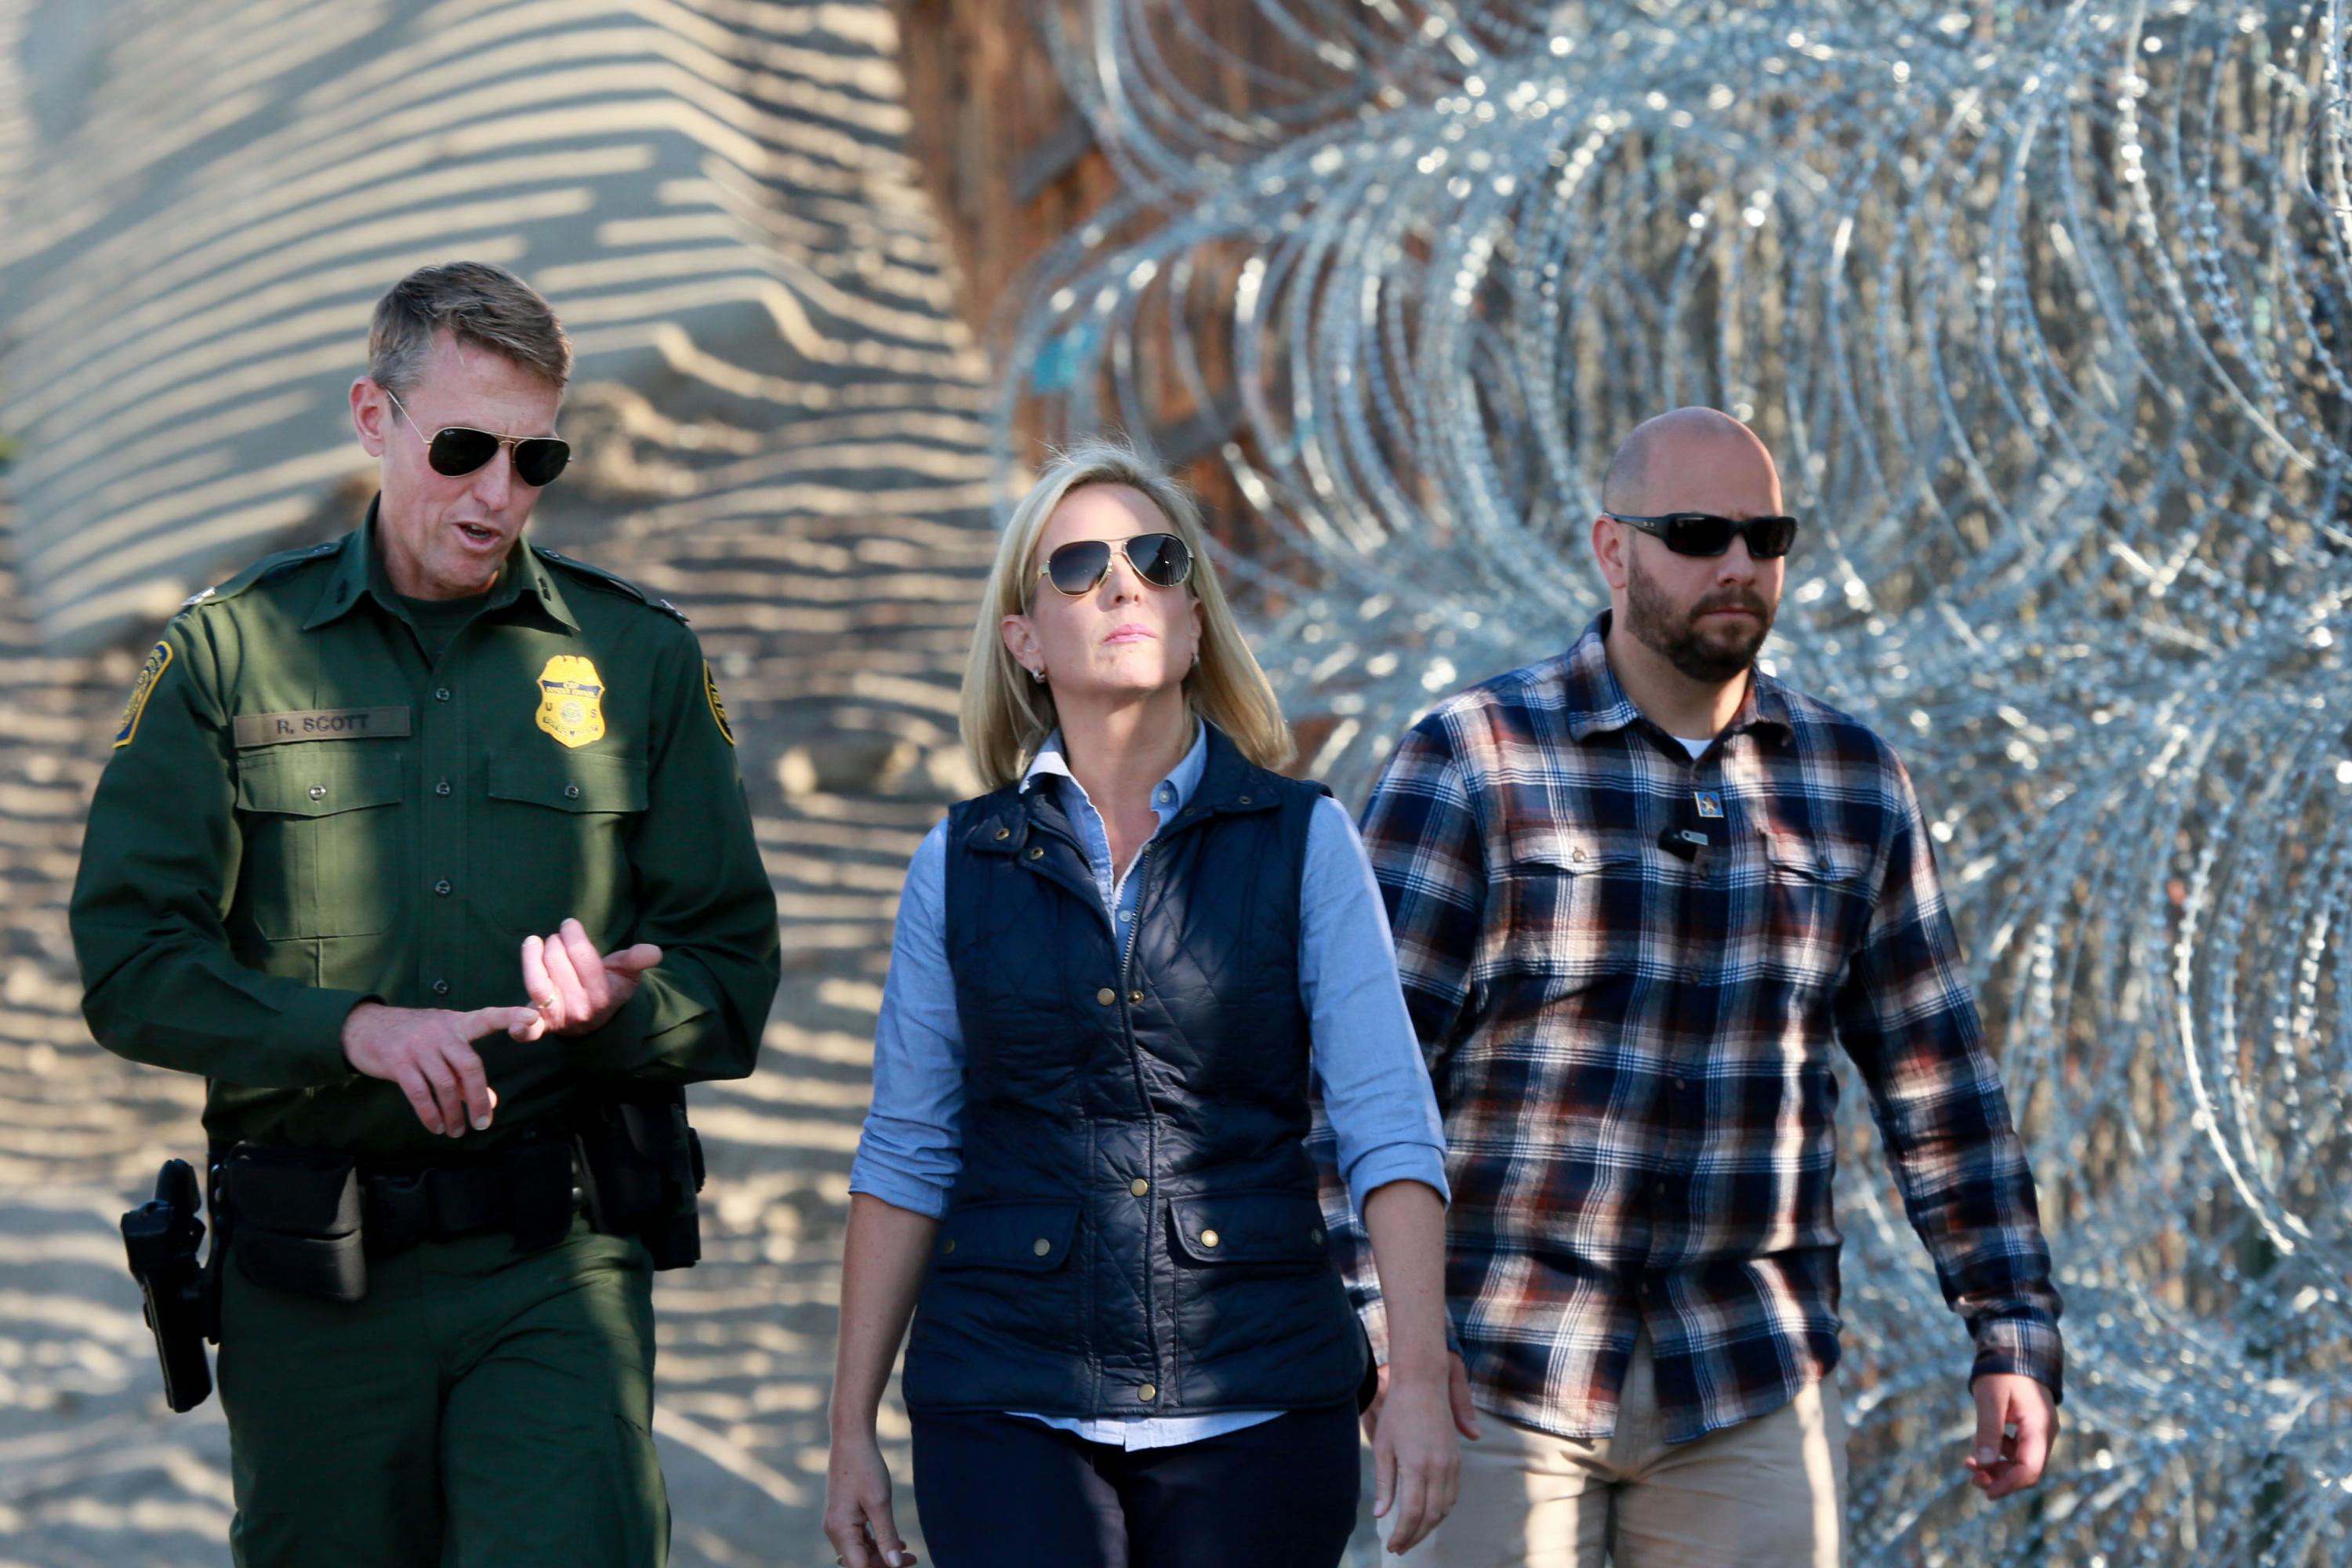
(322,826)
(1575,900)
(1817,903)
(553,841)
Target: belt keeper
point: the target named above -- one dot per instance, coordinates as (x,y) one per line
(399,1212)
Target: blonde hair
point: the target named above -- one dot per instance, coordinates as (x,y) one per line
(1006,715)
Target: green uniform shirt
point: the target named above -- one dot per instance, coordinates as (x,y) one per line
(304,811)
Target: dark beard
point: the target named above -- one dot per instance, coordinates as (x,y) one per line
(1677,637)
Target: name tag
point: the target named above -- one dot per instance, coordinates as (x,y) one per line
(323,724)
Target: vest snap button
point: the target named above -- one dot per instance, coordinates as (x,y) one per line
(1209,1238)
(1245,800)
(1003,834)
(317,792)
(1036,852)
(1106,996)
(1040,1246)
(1314,1237)
(949,1247)
(1138,1186)
(1136,997)
(1147,1393)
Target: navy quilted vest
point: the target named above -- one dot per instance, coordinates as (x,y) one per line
(1135,1228)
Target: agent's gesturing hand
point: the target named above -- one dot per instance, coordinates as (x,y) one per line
(429,1053)
(575,989)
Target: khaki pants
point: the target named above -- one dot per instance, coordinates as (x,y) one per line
(1768,1493)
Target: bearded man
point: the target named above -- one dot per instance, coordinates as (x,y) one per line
(1637,890)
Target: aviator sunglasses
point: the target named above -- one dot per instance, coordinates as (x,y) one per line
(1079,567)
(1704,533)
(456,450)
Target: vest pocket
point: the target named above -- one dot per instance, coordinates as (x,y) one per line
(1262,1315)
(1275,1227)
(1033,1238)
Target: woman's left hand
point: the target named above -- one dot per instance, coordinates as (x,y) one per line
(1416,1458)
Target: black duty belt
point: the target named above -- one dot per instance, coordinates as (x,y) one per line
(530,1189)
(308,1220)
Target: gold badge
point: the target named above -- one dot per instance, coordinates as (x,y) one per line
(570,700)
(718,708)
(159,659)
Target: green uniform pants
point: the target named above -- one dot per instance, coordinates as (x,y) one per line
(481,1406)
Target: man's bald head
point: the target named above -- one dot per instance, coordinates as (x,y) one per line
(1706,616)
(1693,460)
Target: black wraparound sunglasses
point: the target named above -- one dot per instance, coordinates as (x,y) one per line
(1704,533)
(456,450)
(1078,568)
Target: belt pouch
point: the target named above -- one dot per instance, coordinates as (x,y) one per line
(544,1192)
(298,1221)
(622,1188)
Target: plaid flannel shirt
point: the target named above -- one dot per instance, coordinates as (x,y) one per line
(1631,1049)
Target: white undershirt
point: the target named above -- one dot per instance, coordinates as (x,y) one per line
(1695,748)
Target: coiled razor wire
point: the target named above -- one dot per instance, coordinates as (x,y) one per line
(2045,310)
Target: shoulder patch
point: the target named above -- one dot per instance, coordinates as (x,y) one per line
(599,576)
(718,707)
(159,659)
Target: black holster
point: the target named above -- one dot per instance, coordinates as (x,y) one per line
(161,1238)
(641,1166)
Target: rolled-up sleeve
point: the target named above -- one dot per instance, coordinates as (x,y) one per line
(1368,1065)
(1376,1117)
(913,1145)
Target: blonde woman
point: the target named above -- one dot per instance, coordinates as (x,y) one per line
(1083,1175)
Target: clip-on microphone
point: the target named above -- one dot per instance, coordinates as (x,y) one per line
(1683,843)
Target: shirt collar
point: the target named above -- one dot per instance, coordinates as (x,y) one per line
(1170,795)
(1597,705)
(359,574)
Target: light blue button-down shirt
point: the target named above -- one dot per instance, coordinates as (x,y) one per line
(1374,1085)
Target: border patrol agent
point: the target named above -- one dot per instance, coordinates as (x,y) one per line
(427,848)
